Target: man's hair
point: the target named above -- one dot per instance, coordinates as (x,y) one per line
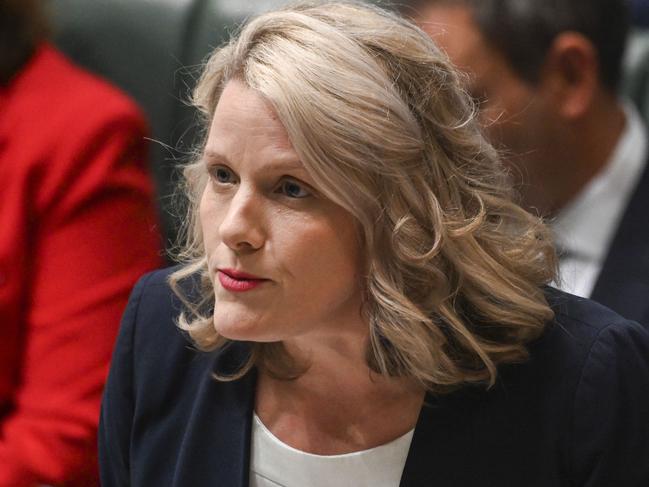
(453,268)
(523,30)
(22,27)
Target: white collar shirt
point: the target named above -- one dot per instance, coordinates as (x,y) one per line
(585,227)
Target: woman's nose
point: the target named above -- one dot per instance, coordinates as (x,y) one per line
(242,228)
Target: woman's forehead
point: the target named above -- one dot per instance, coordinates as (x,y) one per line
(243,113)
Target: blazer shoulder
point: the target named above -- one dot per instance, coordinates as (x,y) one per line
(565,352)
(153,313)
(154,308)
(583,318)
(608,432)
(155,283)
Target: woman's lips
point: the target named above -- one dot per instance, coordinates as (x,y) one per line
(238,282)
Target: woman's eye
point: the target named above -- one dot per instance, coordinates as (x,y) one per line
(222,175)
(293,190)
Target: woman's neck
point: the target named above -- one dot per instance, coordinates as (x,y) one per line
(338,405)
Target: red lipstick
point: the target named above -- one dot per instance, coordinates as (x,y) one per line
(237,281)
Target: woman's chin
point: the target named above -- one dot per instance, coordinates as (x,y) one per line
(241,330)
(235,331)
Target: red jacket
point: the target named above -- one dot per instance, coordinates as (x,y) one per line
(77,230)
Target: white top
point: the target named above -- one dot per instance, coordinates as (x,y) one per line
(585,228)
(275,464)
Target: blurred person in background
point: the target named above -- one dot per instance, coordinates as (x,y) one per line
(640,13)
(78,229)
(546,75)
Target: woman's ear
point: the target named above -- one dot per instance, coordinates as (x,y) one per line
(570,75)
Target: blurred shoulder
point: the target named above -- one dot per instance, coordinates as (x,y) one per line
(52,83)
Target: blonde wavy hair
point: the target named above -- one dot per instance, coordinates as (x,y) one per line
(379,118)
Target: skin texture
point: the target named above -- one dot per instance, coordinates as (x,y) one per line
(555,134)
(261,213)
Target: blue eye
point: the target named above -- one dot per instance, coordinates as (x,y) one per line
(293,190)
(222,175)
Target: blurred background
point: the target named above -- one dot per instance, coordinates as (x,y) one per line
(153,50)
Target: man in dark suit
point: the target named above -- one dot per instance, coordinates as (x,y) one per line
(546,76)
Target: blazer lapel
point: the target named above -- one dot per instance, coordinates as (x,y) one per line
(623,283)
(439,444)
(216,449)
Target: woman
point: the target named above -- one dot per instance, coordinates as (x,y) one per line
(369,304)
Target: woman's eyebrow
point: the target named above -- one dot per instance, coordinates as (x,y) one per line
(286,165)
(280,164)
(212,156)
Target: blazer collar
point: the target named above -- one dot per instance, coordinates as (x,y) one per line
(623,283)
(216,450)
(440,438)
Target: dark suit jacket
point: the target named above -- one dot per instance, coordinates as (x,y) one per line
(623,283)
(575,414)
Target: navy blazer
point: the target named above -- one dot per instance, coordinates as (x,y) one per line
(623,283)
(575,414)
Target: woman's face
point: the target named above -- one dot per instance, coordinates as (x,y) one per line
(284,261)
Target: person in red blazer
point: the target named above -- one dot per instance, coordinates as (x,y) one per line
(78,228)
